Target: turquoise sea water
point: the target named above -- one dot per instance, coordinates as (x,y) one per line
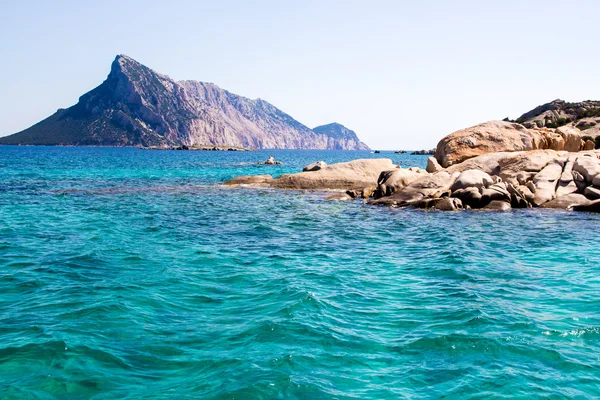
(133,274)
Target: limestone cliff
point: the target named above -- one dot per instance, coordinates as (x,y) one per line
(136,106)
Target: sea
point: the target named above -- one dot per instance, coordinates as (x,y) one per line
(135,274)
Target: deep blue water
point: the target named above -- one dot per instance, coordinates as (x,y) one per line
(133,274)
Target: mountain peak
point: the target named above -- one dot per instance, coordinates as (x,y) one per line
(136,106)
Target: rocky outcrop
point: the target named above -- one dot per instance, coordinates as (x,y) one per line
(526,179)
(489,137)
(584,115)
(536,178)
(357,174)
(136,106)
(503,136)
(494,166)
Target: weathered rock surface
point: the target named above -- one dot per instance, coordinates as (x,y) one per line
(136,106)
(395,179)
(472,178)
(503,136)
(567,201)
(593,206)
(498,205)
(588,167)
(250,180)
(352,174)
(489,137)
(546,181)
(429,186)
(315,166)
(433,165)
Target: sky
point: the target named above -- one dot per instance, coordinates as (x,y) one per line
(402,74)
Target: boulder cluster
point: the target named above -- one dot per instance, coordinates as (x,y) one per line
(499,181)
(498,165)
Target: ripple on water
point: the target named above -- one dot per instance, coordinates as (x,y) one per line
(131,274)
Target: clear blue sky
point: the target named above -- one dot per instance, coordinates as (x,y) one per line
(402,74)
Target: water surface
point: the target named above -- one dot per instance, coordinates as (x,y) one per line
(133,274)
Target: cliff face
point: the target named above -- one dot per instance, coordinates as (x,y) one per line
(136,106)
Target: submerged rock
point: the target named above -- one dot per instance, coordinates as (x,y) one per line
(250,180)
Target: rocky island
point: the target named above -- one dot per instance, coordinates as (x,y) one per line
(138,107)
(547,160)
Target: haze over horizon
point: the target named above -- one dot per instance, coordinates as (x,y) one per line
(401,75)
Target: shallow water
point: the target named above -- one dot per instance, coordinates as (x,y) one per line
(133,274)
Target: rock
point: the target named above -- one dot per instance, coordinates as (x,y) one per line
(472,178)
(368,192)
(498,205)
(588,167)
(447,204)
(339,197)
(433,166)
(567,201)
(250,180)
(278,162)
(353,193)
(589,145)
(489,137)
(347,175)
(315,166)
(545,183)
(517,198)
(572,138)
(470,196)
(488,163)
(393,180)
(565,188)
(596,181)
(428,186)
(442,204)
(270,161)
(495,192)
(423,152)
(578,177)
(523,177)
(592,193)
(593,206)
(513,168)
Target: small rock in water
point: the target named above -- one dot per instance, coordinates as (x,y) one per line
(271,161)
